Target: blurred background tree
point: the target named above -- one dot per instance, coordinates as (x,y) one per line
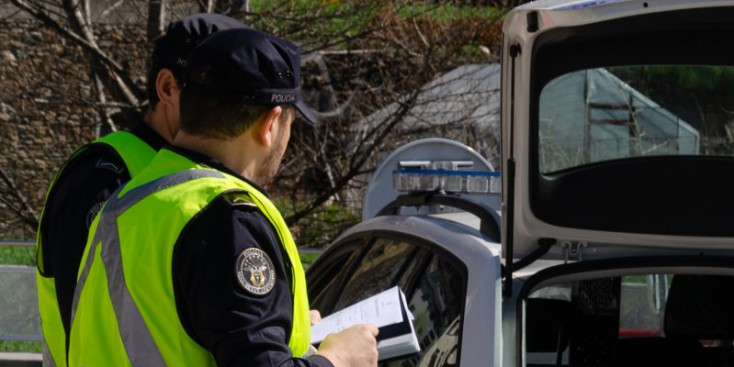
(75,69)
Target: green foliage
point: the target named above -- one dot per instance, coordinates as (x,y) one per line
(449,13)
(340,19)
(20,346)
(658,80)
(322,225)
(307,259)
(471,50)
(711,79)
(326,223)
(337,24)
(17,255)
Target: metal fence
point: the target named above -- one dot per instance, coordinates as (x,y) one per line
(18,300)
(19,319)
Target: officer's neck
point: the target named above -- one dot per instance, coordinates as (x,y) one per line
(158,120)
(241,154)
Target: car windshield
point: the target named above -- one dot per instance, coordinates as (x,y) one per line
(601,114)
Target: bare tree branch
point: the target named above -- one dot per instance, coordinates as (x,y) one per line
(25,211)
(156,19)
(111,9)
(380,52)
(78,15)
(357,162)
(121,76)
(102,111)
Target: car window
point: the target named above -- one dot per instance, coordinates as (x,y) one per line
(642,304)
(437,304)
(636,320)
(378,270)
(602,114)
(434,289)
(324,278)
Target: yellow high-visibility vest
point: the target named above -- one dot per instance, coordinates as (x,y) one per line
(125,312)
(136,154)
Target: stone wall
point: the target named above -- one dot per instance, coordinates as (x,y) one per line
(47,108)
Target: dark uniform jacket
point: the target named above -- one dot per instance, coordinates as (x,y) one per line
(237,327)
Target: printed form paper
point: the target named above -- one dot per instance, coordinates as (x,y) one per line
(381,310)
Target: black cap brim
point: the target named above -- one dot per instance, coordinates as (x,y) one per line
(307,113)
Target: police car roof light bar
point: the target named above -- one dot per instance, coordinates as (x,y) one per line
(489,219)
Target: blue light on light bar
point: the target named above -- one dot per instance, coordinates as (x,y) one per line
(587,4)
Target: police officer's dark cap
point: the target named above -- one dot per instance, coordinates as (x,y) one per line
(174,47)
(250,66)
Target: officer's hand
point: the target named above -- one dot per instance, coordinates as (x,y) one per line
(352,347)
(315,316)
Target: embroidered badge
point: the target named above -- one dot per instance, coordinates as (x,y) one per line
(255,271)
(110,166)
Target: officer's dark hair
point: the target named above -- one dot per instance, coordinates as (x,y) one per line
(216,116)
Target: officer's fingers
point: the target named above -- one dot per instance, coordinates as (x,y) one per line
(372,329)
(368,330)
(315,316)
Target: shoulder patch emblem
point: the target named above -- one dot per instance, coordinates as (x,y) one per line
(255,271)
(110,166)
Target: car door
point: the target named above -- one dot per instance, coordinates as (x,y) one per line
(434,284)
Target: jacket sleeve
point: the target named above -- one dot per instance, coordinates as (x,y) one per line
(243,319)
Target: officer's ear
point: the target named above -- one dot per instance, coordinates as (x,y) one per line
(167,88)
(266,126)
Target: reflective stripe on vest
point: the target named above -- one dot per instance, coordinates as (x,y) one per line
(136,154)
(151,343)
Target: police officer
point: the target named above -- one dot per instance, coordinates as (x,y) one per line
(190,263)
(94,171)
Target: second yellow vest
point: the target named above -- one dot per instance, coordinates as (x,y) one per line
(136,154)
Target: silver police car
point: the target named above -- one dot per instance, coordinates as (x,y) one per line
(606,237)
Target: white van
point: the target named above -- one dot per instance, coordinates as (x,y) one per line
(615,245)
